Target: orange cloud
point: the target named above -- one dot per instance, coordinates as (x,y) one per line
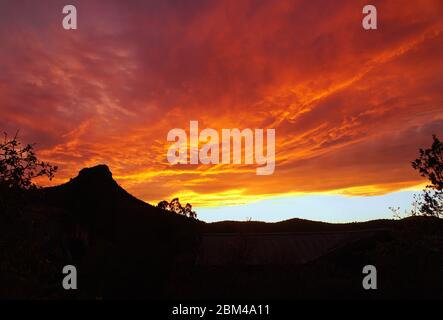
(350,107)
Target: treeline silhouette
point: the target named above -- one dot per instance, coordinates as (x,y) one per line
(176,207)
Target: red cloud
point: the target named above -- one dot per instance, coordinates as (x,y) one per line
(350,107)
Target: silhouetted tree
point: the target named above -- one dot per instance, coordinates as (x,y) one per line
(29,236)
(19,165)
(193,215)
(430,165)
(188,211)
(176,207)
(163,205)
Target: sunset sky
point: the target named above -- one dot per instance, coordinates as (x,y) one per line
(350,107)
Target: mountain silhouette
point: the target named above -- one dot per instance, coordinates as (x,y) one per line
(94,224)
(94,187)
(96,200)
(126,248)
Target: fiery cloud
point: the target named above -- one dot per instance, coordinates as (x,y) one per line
(350,107)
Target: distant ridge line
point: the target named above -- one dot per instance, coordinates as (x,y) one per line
(292,232)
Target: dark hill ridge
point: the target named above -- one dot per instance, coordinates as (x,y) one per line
(95,199)
(95,193)
(95,184)
(126,248)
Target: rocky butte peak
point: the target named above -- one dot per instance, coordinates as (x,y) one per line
(97,173)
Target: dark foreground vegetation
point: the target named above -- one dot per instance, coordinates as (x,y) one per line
(125,248)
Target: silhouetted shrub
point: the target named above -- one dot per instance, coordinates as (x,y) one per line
(430,166)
